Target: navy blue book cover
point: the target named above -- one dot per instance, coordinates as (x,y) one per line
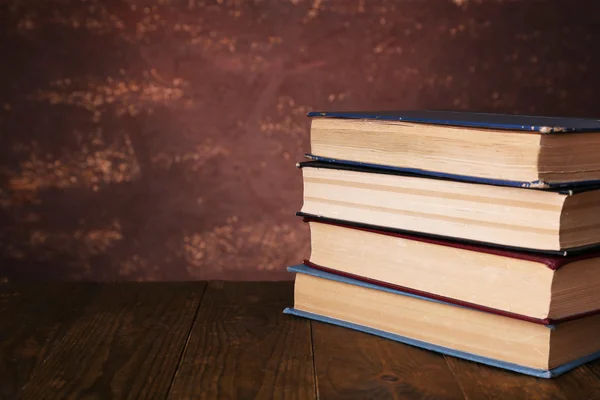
(526,123)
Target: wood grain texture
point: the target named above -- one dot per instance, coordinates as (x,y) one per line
(243,347)
(581,383)
(31,315)
(126,343)
(97,341)
(484,382)
(355,365)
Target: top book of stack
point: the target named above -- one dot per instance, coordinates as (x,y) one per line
(506,150)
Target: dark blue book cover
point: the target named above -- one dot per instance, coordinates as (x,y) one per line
(526,123)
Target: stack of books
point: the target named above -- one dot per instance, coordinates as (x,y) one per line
(473,235)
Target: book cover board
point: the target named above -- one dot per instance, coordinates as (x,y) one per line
(522,123)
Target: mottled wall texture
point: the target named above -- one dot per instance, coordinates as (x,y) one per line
(156,139)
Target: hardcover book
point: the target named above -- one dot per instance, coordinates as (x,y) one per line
(525,151)
(558,220)
(530,348)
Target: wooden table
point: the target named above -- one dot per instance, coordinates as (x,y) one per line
(224,341)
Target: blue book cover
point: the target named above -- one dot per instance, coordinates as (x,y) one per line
(507,122)
(527,123)
(541,373)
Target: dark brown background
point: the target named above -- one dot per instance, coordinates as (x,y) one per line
(156,140)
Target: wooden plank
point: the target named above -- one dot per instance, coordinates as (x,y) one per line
(593,369)
(581,383)
(125,343)
(355,365)
(483,382)
(31,315)
(243,347)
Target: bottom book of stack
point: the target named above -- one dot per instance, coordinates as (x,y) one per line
(522,346)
